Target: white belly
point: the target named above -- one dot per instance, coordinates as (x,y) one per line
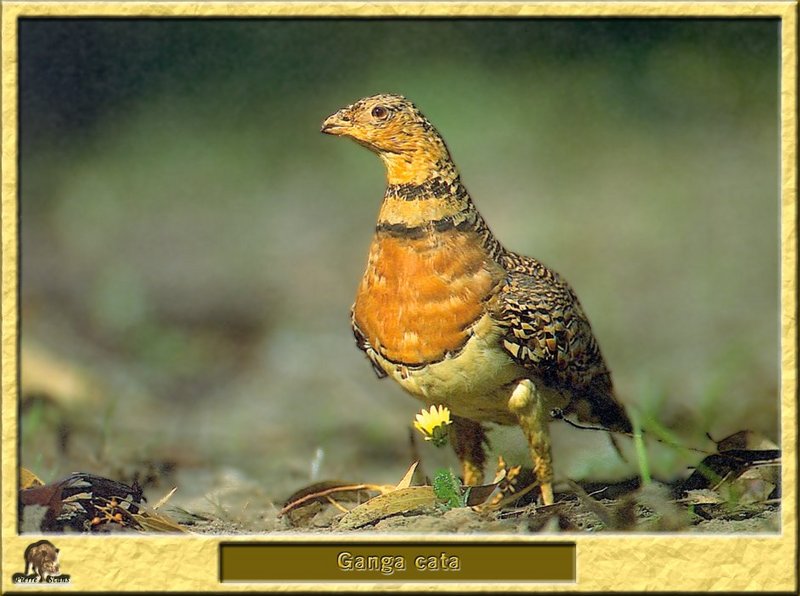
(475,383)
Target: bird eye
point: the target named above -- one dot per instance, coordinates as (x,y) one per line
(379,112)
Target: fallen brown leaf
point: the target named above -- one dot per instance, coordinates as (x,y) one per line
(28,479)
(404,500)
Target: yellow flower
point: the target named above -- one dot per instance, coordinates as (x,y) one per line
(433,424)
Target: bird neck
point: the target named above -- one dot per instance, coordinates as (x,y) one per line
(438,203)
(425,200)
(418,158)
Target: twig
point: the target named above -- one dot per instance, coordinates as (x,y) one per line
(336,504)
(324,493)
(593,505)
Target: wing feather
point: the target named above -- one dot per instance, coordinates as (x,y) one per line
(548,333)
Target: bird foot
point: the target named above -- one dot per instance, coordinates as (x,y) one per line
(528,404)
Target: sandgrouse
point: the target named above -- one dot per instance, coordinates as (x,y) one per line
(455,318)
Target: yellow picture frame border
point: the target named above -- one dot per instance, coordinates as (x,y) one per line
(605,562)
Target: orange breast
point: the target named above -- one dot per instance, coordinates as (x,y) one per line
(419,296)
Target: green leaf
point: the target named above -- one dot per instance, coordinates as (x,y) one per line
(448,489)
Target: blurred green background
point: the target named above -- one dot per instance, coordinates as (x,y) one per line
(191,244)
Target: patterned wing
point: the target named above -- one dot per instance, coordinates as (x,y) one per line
(548,333)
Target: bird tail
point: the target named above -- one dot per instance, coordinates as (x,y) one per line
(598,405)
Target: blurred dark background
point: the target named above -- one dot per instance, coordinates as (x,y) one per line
(191,244)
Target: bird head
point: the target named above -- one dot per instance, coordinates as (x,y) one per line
(394,128)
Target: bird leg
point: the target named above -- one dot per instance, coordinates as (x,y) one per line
(528,404)
(468,438)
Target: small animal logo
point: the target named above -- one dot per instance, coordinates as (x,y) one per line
(42,558)
(41,565)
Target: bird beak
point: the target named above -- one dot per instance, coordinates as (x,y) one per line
(336,124)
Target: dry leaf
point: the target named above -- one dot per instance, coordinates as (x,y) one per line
(755,485)
(28,479)
(702,496)
(150,521)
(478,495)
(409,475)
(745,439)
(726,466)
(404,500)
